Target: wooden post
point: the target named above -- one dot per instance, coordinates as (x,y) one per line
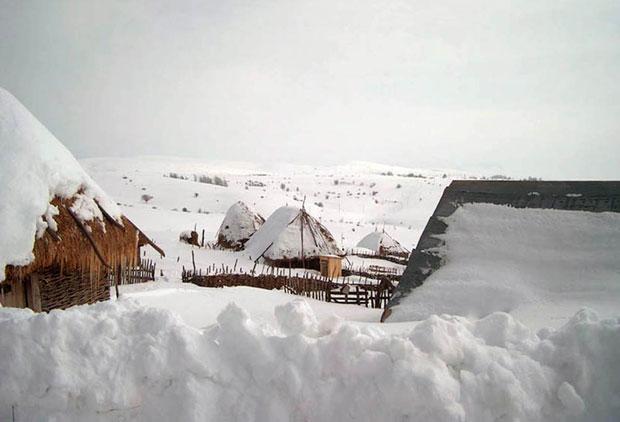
(117,280)
(193,262)
(35,292)
(301,223)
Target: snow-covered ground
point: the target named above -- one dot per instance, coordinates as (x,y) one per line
(199,307)
(122,360)
(350,200)
(170,351)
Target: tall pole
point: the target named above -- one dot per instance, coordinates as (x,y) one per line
(301,221)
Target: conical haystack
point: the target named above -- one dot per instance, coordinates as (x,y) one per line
(239,224)
(382,244)
(292,237)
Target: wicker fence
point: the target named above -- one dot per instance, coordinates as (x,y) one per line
(369,294)
(60,291)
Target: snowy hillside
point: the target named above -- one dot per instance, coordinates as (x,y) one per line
(350,200)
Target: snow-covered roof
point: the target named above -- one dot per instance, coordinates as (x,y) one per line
(280,237)
(527,262)
(381,242)
(239,224)
(34,168)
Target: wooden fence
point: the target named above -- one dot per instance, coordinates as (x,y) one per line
(401,259)
(143,272)
(373,272)
(369,294)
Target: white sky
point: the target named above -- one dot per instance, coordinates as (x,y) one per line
(524,87)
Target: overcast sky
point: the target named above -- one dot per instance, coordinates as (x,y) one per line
(525,87)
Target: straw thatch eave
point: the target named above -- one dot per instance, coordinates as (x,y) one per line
(93,247)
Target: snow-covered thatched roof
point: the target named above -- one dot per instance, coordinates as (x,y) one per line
(239,224)
(381,243)
(280,238)
(36,170)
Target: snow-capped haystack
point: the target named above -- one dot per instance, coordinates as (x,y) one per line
(382,244)
(292,236)
(239,224)
(52,214)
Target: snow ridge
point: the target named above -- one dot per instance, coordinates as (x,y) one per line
(140,363)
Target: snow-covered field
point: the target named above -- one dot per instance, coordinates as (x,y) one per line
(169,351)
(127,361)
(350,200)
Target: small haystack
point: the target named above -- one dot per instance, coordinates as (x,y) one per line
(292,237)
(63,239)
(239,224)
(190,237)
(382,244)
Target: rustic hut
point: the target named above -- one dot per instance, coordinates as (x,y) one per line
(239,224)
(292,237)
(382,244)
(63,242)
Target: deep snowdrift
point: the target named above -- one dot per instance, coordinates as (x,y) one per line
(35,167)
(542,266)
(141,363)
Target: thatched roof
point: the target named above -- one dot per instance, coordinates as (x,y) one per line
(239,224)
(382,243)
(52,213)
(86,246)
(289,234)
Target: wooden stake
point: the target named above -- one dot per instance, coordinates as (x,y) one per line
(88,236)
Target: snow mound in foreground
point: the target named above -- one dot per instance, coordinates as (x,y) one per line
(139,363)
(537,264)
(34,168)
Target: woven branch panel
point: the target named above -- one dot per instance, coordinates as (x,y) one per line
(61,291)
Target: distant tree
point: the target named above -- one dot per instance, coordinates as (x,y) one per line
(146,198)
(219,181)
